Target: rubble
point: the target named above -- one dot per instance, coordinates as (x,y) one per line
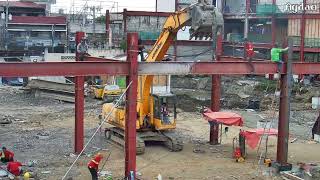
(6,120)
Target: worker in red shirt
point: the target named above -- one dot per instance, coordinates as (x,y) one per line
(14,168)
(249,53)
(6,155)
(93,166)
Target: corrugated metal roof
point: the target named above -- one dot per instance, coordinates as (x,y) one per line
(39,19)
(23,4)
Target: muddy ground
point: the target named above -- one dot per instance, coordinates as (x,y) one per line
(42,131)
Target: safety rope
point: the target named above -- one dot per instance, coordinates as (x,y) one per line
(97,130)
(273,108)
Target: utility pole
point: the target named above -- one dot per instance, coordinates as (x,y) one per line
(6,26)
(53,36)
(94,21)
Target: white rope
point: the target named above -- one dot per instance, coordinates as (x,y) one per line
(97,130)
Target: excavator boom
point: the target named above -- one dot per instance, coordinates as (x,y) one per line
(205,21)
(154,120)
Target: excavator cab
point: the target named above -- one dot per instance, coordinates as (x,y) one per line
(164,111)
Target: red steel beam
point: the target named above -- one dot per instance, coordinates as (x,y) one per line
(98,59)
(227,66)
(63,69)
(147,13)
(244,68)
(131,107)
(299,16)
(79,103)
(181,43)
(256,45)
(313,50)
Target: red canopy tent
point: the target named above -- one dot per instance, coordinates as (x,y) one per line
(253,136)
(225,118)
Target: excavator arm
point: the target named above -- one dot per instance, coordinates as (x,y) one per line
(204,21)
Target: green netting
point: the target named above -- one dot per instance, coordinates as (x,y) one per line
(308,42)
(234,37)
(267,9)
(259,38)
(143,35)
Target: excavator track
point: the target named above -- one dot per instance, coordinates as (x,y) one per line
(174,143)
(116,136)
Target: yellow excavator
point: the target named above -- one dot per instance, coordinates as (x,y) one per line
(157,112)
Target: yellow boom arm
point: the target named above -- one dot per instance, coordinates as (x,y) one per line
(202,18)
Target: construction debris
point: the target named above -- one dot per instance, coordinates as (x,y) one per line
(49,89)
(7,120)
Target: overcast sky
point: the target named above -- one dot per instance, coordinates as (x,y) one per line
(141,5)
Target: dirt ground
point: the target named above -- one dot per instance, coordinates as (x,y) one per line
(42,131)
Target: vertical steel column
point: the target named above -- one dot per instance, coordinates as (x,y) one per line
(284,110)
(273,25)
(302,34)
(131,107)
(215,95)
(246,23)
(124,22)
(273,32)
(79,103)
(107,24)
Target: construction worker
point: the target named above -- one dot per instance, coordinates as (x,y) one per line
(93,166)
(6,155)
(82,48)
(141,50)
(249,53)
(14,168)
(165,113)
(276,56)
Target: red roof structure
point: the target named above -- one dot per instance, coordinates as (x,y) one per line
(19,4)
(225,118)
(38,19)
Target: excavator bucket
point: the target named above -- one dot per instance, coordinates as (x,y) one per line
(206,22)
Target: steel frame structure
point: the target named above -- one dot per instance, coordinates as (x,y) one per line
(302,49)
(98,66)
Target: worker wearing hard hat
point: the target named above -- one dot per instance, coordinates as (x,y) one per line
(93,166)
(6,155)
(14,168)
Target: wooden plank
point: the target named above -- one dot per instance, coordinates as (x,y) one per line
(52,86)
(291,176)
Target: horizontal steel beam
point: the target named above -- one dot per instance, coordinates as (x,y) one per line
(155,68)
(227,68)
(147,13)
(224,68)
(181,43)
(63,69)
